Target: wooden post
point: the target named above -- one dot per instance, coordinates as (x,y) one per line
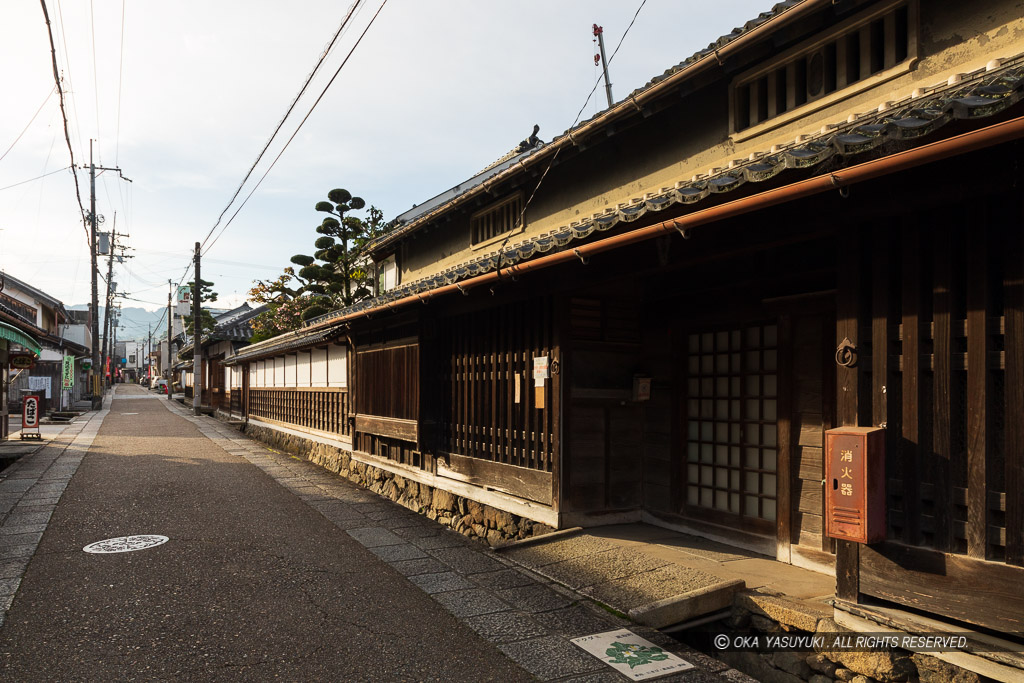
(911,390)
(784,473)
(942,388)
(979,389)
(849,309)
(1014,386)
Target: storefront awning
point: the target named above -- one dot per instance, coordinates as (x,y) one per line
(12,333)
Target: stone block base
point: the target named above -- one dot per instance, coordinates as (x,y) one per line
(469,517)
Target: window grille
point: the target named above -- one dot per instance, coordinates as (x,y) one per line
(496,219)
(863,49)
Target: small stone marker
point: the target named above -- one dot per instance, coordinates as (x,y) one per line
(632,656)
(125,544)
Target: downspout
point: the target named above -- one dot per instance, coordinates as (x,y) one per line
(999,133)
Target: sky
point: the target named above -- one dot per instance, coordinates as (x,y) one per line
(183,96)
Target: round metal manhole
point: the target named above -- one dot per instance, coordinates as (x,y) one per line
(125,544)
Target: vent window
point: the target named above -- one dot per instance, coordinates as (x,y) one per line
(863,49)
(496,220)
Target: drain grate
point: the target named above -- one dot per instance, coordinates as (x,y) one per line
(125,544)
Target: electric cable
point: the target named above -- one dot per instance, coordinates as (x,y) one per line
(291,107)
(120,78)
(301,123)
(551,162)
(56,79)
(34,179)
(95,78)
(48,96)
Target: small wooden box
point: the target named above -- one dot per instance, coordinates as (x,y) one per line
(855,484)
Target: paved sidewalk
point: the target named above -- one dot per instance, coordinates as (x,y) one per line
(29,492)
(451,609)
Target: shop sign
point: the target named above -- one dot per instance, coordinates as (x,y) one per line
(22,361)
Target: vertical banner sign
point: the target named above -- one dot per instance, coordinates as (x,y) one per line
(30,412)
(68,372)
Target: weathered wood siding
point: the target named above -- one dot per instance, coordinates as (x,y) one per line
(493,409)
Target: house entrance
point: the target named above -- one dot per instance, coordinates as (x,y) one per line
(731,426)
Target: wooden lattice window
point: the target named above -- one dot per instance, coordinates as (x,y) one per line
(732,436)
(861,48)
(496,220)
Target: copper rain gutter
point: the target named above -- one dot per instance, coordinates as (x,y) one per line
(999,133)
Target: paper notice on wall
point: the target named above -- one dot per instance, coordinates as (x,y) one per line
(541,370)
(39,384)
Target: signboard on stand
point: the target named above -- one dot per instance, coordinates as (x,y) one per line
(30,418)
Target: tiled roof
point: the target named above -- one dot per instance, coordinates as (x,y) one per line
(233,325)
(286,342)
(973,96)
(411,220)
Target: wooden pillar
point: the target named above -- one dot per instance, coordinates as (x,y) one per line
(979,389)
(784,473)
(850,408)
(911,389)
(942,387)
(1014,386)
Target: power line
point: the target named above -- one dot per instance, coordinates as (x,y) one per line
(120,77)
(301,123)
(551,162)
(291,107)
(33,179)
(48,96)
(70,78)
(56,79)
(95,78)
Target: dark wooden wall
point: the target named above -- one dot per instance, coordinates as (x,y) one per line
(606,434)
(938,311)
(490,402)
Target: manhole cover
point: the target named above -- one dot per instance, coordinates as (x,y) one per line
(125,544)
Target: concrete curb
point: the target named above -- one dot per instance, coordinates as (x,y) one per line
(688,605)
(537,540)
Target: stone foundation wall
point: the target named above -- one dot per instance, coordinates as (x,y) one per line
(759,615)
(470,518)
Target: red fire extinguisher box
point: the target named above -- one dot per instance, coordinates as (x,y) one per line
(855,484)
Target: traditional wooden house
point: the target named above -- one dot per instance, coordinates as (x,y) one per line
(814,223)
(59,335)
(232,332)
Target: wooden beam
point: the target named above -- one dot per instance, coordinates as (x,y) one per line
(517,481)
(984,593)
(393,428)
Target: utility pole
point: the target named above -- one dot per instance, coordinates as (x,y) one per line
(599,34)
(170,328)
(197,337)
(113,347)
(95,377)
(106,311)
(97,393)
(149,352)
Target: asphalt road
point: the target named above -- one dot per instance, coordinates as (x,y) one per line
(253,584)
